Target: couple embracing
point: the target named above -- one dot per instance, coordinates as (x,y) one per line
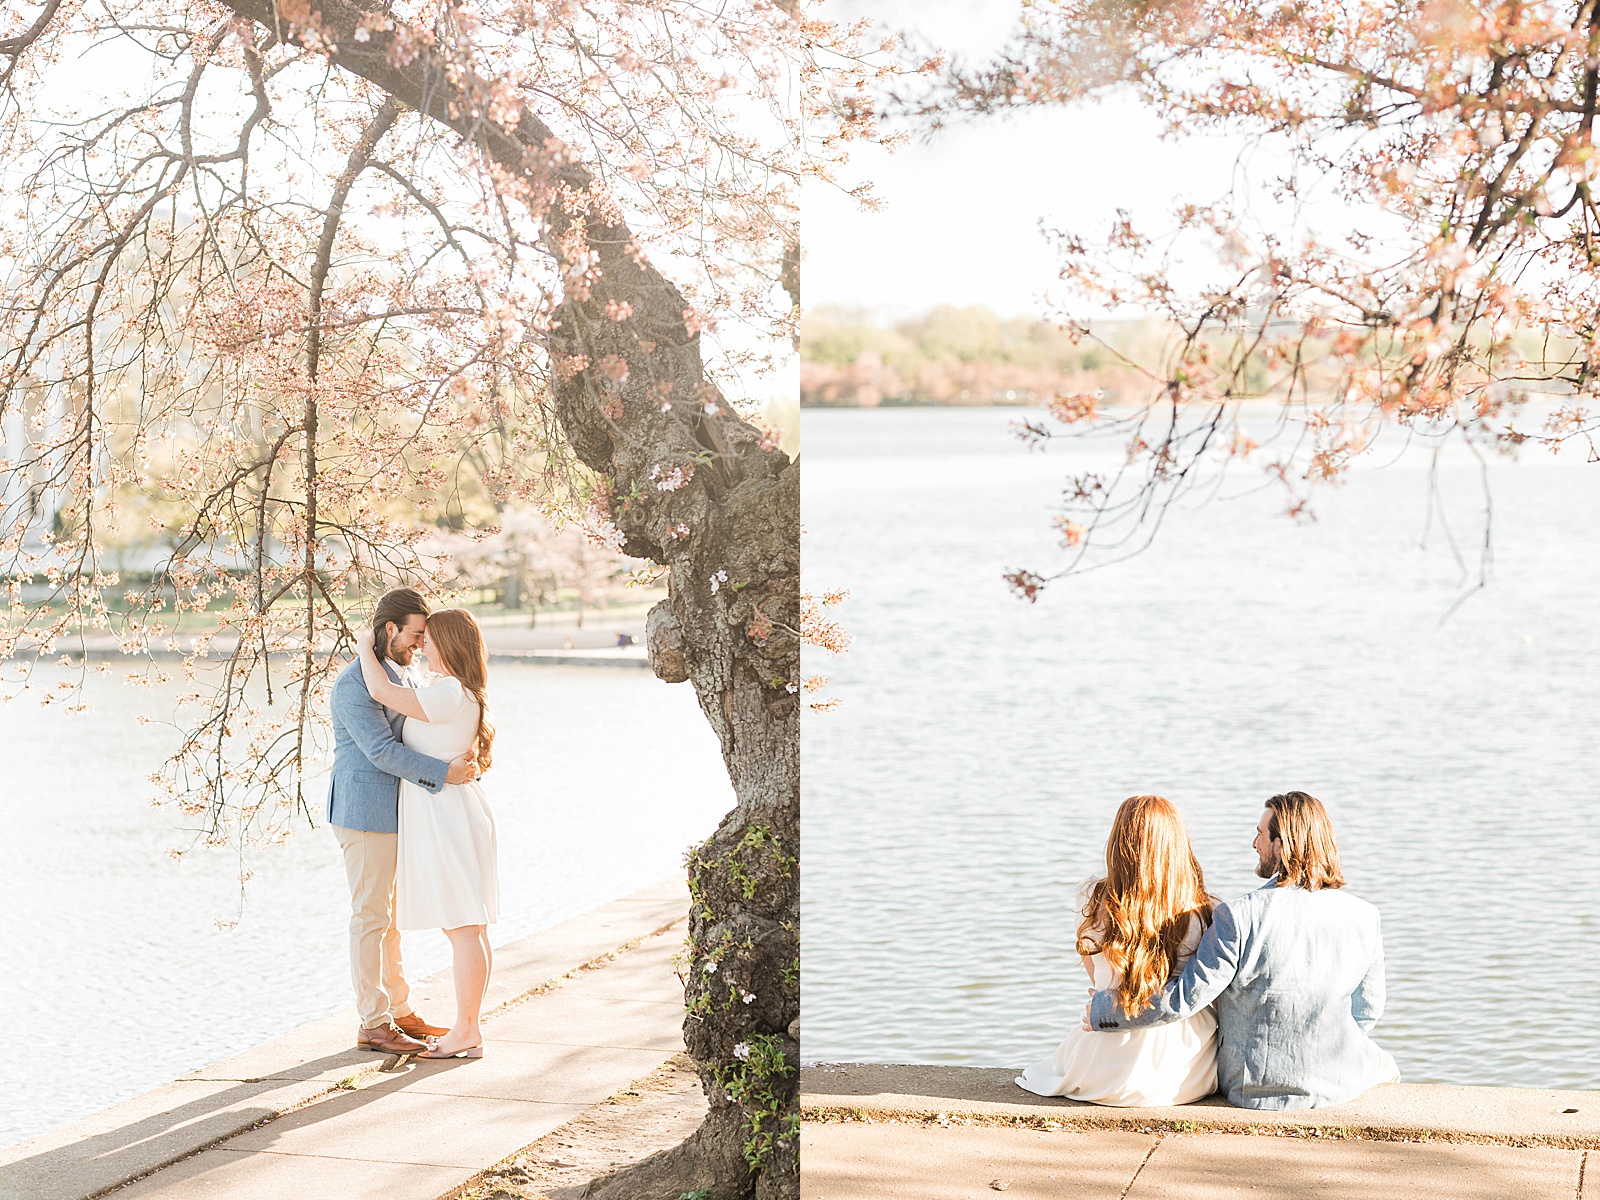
(1269,998)
(416,830)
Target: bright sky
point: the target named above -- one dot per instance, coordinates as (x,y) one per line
(961,214)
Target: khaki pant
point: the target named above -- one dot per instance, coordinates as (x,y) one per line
(381,990)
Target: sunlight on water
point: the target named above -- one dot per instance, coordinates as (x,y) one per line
(967,783)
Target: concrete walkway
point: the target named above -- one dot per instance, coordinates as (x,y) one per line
(960,1133)
(308,1116)
(554,641)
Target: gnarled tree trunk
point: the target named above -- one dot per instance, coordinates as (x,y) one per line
(730,535)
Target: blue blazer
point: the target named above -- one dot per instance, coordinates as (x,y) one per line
(369,760)
(1297,978)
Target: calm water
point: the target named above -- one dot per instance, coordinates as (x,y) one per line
(116,977)
(968,781)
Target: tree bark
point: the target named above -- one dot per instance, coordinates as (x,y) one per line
(734,570)
(699,491)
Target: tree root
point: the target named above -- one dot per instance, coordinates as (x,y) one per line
(708,1165)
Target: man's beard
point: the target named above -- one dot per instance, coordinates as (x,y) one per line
(1267,868)
(400,657)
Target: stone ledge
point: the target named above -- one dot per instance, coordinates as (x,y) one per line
(1391,1112)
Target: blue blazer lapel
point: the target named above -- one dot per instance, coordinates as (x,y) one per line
(395,718)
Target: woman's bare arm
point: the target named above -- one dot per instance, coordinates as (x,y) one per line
(383,689)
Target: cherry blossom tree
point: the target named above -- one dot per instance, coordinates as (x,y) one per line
(308,270)
(1461,304)
(528,558)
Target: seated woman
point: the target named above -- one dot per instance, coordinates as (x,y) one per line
(1137,927)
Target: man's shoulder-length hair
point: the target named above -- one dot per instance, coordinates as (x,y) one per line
(1309,858)
(395,605)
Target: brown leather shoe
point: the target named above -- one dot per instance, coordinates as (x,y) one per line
(413,1024)
(388,1039)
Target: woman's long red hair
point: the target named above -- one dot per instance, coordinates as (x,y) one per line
(1138,915)
(455,632)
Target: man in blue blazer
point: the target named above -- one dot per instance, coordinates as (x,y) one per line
(369,760)
(1295,969)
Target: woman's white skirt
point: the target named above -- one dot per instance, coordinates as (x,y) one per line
(1167,1064)
(445,873)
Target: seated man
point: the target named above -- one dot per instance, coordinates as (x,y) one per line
(1295,969)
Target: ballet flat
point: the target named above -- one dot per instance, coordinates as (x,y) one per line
(469,1052)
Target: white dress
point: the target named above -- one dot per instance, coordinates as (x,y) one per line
(445,874)
(1167,1064)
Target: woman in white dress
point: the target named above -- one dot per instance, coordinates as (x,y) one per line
(445,875)
(1137,927)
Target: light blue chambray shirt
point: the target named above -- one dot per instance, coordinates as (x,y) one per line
(370,760)
(1297,978)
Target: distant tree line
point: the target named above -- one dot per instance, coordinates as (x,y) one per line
(954,355)
(531,562)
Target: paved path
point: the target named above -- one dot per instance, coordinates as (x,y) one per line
(308,1116)
(956,1133)
(554,640)
(856,1161)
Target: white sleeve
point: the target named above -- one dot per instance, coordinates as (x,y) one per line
(442,701)
(1191,940)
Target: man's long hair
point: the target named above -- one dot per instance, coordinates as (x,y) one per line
(395,605)
(1309,857)
(455,634)
(1138,915)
